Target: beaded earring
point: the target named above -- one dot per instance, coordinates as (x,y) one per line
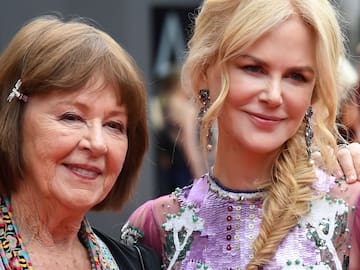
(204,96)
(309,134)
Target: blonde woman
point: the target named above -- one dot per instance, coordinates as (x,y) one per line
(257,67)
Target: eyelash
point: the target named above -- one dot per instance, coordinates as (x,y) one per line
(116,125)
(297,77)
(252,68)
(257,69)
(70,117)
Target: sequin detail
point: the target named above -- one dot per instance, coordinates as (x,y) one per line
(232,221)
(131,234)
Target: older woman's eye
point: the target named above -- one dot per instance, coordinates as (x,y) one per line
(116,126)
(69,116)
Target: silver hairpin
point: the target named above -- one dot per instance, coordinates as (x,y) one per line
(15,93)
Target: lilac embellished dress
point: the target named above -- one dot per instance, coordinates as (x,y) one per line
(207,227)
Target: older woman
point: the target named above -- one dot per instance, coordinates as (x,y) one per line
(71,103)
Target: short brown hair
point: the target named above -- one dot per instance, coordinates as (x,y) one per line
(50,53)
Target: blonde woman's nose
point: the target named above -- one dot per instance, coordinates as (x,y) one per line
(272,92)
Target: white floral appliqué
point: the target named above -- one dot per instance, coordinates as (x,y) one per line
(321,223)
(186,220)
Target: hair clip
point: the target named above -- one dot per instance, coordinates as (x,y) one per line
(15,93)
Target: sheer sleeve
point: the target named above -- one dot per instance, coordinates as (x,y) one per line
(351,246)
(355,242)
(145,223)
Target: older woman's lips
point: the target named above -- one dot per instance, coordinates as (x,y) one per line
(84,170)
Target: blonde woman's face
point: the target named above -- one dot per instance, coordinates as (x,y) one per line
(271,84)
(75,145)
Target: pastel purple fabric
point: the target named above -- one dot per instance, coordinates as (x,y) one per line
(231,221)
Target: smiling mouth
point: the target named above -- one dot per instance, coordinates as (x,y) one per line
(89,173)
(266,117)
(265,120)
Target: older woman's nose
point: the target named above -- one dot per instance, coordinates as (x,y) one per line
(94,139)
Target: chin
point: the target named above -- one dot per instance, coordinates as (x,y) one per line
(80,203)
(267,148)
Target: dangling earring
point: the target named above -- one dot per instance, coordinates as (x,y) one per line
(309,134)
(204,96)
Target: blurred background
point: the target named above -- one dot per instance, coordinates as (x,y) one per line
(154,32)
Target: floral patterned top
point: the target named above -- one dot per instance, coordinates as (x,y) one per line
(14,256)
(206,226)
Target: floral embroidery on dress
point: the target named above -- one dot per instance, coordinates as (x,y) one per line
(131,234)
(181,226)
(323,226)
(321,266)
(325,222)
(229,222)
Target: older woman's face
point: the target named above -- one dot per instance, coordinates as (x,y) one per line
(75,144)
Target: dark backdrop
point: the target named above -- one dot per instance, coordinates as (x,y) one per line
(140,26)
(131,24)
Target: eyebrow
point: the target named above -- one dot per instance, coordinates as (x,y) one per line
(295,68)
(121,110)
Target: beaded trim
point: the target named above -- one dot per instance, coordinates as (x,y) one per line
(131,234)
(220,191)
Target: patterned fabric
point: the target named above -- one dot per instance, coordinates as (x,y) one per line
(15,257)
(12,249)
(100,255)
(205,226)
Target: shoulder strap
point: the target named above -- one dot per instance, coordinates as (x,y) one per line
(140,257)
(131,256)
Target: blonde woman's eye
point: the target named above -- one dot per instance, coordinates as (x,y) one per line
(252,68)
(298,77)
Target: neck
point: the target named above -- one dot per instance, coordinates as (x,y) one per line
(240,169)
(43,221)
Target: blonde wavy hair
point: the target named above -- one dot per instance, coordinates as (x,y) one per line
(224,28)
